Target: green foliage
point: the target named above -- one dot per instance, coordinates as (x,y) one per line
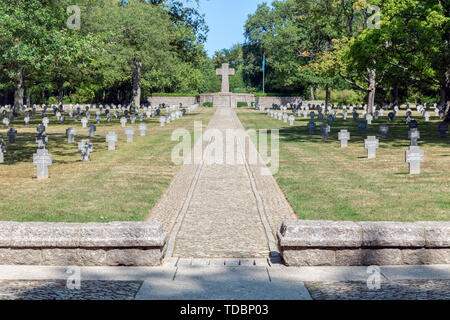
(96,62)
(342,96)
(208,104)
(242,104)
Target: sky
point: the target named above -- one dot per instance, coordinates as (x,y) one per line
(226,19)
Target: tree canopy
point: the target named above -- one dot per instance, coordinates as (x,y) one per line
(387,50)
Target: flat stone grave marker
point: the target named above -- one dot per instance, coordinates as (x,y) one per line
(324,130)
(344,136)
(85,147)
(92,128)
(2,150)
(142,129)
(371,144)
(413,124)
(414,136)
(391,116)
(84,122)
(320,117)
(330,119)
(123,121)
(291,120)
(111,139)
(12,134)
(41,140)
(45,122)
(162,121)
(5,123)
(362,126)
(384,130)
(70,134)
(42,160)
(26,120)
(129,132)
(414,156)
(133,119)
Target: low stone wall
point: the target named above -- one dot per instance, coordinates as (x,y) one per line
(282,101)
(186,101)
(331,243)
(82,244)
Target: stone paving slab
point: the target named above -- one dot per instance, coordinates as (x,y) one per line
(221,283)
(230,283)
(416,272)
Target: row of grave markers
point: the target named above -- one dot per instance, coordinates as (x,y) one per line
(42,159)
(414,156)
(362,125)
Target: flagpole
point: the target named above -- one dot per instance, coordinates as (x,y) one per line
(264,71)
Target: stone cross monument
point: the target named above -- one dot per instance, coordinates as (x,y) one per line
(42,159)
(225,72)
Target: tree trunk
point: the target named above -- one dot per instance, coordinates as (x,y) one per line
(327,96)
(136,91)
(18,91)
(372,89)
(118,96)
(311,90)
(28,98)
(60,92)
(443,98)
(395,93)
(6,97)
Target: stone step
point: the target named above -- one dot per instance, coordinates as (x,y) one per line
(219,262)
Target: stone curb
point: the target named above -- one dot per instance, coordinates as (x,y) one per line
(333,243)
(88,244)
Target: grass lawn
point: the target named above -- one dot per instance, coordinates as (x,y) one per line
(323,181)
(121,185)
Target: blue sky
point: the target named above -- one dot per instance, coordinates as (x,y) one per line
(226,19)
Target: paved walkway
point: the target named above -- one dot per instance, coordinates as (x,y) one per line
(224,279)
(223,208)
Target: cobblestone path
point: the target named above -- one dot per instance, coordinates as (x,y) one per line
(222,206)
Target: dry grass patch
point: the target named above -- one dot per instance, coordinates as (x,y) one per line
(115,186)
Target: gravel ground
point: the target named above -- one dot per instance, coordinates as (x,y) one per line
(57,290)
(392,290)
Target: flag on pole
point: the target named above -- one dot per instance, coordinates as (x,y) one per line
(263,63)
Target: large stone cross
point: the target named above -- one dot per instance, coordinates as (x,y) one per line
(225,72)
